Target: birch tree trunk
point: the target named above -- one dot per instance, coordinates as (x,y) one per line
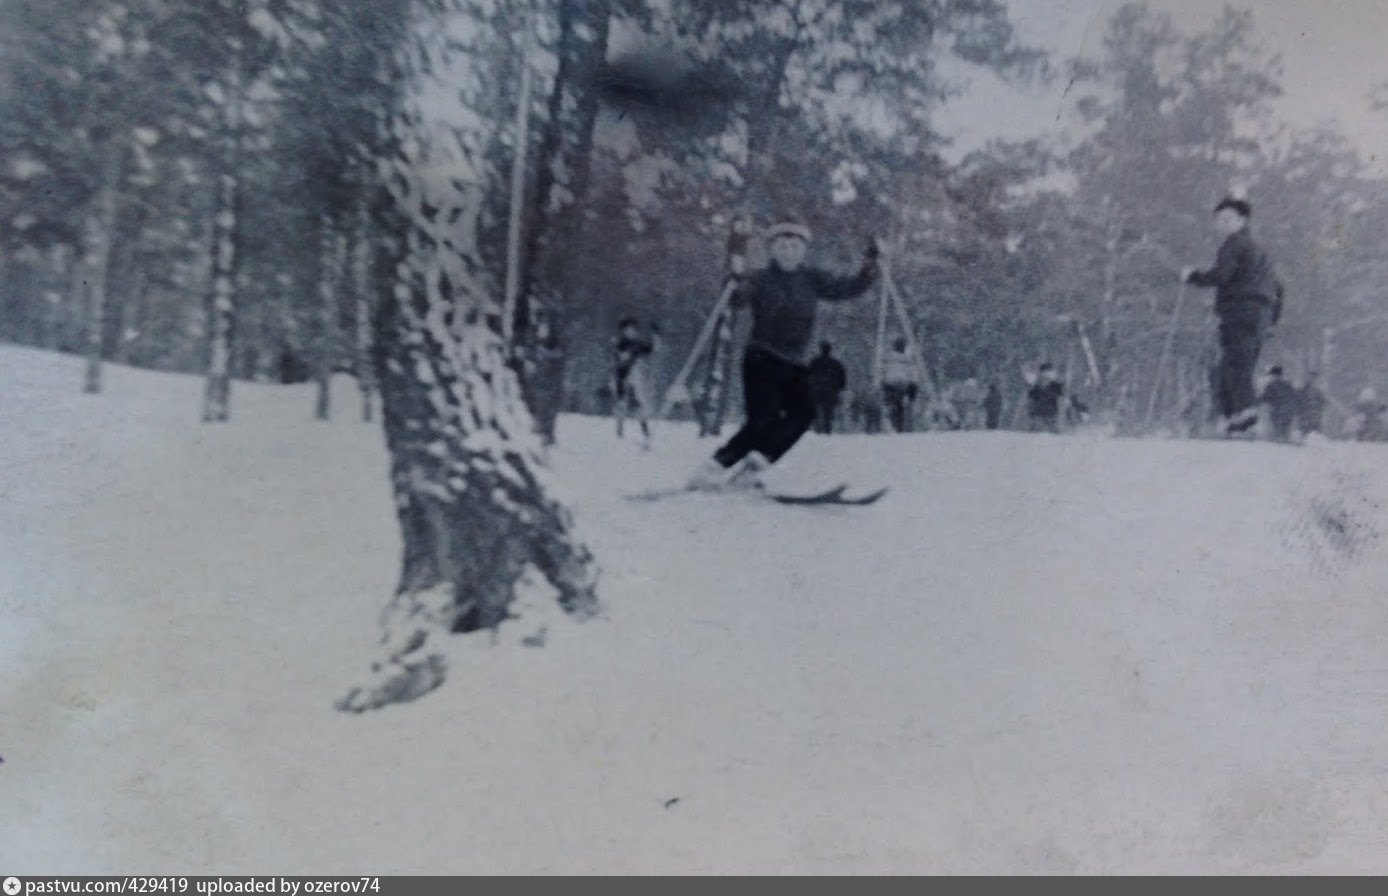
(101,229)
(326,336)
(221,305)
(476,505)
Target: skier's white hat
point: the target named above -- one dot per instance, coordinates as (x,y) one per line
(788,228)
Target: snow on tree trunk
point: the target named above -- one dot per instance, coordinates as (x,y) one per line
(221,310)
(477,508)
(101,231)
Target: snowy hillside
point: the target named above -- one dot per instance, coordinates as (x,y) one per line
(1037,654)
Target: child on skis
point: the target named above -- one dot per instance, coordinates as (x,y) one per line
(783,298)
(632,378)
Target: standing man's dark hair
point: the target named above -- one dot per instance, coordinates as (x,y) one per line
(1248,302)
(784,299)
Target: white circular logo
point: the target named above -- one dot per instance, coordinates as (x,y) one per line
(11,886)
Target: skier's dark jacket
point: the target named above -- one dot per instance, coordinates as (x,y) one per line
(784,303)
(1244,281)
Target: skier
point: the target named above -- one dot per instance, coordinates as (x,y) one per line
(992,406)
(1076,411)
(1369,411)
(1248,302)
(632,379)
(546,367)
(900,385)
(865,409)
(783,298)
(827,382)
(967,398)
(1043,399)
(1311,402)
(1281,398)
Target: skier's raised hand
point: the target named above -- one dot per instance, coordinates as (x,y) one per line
(874,248)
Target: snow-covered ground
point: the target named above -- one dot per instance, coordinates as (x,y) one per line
(1037,654)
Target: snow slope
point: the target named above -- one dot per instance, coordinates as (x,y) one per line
(1038,655)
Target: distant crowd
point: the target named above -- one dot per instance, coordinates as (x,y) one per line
(903,401)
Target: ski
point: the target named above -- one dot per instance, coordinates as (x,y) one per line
(832,498)
(825,497)
(829,497)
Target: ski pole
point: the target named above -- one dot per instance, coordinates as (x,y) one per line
(1165,353)
(710,325)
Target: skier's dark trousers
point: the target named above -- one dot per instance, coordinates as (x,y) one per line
(779,407)
(1248,302)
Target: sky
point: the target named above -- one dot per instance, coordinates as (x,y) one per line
(1332,53)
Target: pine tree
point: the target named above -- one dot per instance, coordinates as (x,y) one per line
(477,507)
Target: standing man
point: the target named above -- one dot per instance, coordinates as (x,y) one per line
(827,382)
(784,298)
(1248,302)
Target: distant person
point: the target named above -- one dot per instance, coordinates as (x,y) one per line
(1043,399)
(1369,411)
(828,379)
(992,407)
(901,377)
(1281,398)
(1076,411)
(1248,303)
(866,411)
(292,368)
(967,398)
(1311,401)
(632,376)
(547,372)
